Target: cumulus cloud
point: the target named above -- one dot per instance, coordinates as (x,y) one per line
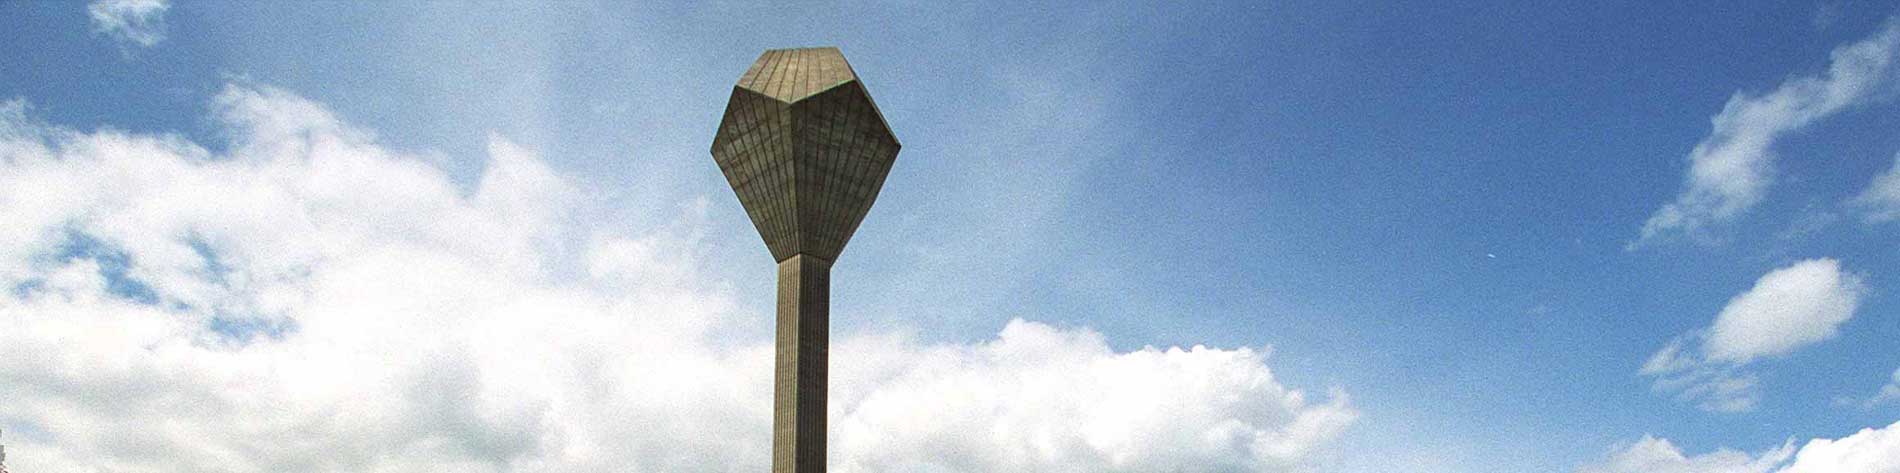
(1654,455)
(305,299)
(1788,308)
(1881,200)
(1732,168)
(136,22)
(1042,399)
(1867,451)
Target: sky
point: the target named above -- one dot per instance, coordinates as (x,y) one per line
(1280,236)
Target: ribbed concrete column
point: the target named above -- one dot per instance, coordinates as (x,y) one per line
(806,151)
(804,334)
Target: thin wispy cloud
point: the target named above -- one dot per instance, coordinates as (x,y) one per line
(1787,309)
(1886,395)
(132,22)
(1880,201)
(1732,168)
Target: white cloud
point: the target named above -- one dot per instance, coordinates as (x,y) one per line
(1867,451)
(1788,308)
(1731,169)
(140,22)
(1043,399)
(1654,455)
(307,300)
(1881,199)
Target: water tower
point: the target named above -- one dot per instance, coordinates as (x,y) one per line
(806,151)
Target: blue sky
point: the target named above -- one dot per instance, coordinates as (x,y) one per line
(1437,210)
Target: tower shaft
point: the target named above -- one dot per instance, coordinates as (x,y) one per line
(804,333)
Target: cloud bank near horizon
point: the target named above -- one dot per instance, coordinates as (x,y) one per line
(1867,451)
(305,299)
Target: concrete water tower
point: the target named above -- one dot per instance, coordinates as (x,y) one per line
(806,151)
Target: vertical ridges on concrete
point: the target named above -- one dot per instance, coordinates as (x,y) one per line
(806,151)
(790,75)
(803,363)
